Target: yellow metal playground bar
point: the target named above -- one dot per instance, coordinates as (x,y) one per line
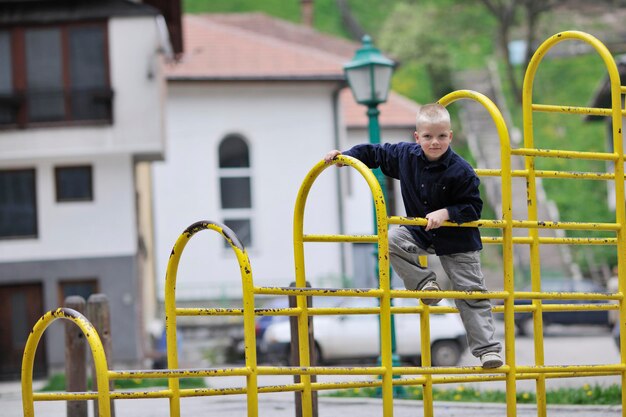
(425,375)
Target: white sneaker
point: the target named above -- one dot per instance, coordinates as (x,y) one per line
(431,286)
(491,360)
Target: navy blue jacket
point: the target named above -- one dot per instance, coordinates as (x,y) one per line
(450,182)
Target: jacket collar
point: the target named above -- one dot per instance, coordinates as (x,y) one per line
(444,160)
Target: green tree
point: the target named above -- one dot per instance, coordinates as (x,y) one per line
(440,36)
(410,34)
(525,14)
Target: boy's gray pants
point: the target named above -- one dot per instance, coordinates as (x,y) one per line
(464,272)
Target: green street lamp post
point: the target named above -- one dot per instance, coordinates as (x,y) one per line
(369,77)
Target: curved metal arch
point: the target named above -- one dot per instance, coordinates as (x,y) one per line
(505,172)
(383,270)
(614,79)
(298,223)
(507,231)
(97,350)
(538,56)
(616,116)
(620,212)
(248,307)
(525,371)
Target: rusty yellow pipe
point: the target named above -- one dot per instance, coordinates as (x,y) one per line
(549,174)
(520,224)
(97,351)
(383,270)
(428,375)
(551,153)
(248,311)
(507,234)
(549,108)
(529,151)
(426,360)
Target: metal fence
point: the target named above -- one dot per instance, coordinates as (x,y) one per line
(387,373)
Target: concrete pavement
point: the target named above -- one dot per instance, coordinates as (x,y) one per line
(562,347)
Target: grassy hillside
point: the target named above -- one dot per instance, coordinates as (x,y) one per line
(467,36)
(326,14)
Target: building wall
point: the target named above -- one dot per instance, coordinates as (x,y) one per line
(82,240)
(99,238)
(140,86)
(136,79)
(116,278)
(289,128)
(147,308)
(68,230)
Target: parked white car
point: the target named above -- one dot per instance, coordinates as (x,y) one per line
(356,336)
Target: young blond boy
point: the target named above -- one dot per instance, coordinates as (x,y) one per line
(439,185)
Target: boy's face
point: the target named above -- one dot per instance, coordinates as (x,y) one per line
(434,138)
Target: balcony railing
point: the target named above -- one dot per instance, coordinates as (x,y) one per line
(35,107)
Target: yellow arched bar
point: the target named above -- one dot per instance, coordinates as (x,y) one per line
(97,350)
(248,312)
(424,375)
(616,114)
(507,233)
(383,271)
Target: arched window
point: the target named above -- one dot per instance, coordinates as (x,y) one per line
(235,186)
(234,152)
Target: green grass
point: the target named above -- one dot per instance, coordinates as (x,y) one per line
(288,10)
(57,383)
(585,395)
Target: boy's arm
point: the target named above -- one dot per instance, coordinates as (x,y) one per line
(468,204)
(383,156)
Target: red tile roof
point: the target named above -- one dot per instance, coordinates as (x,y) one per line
(397,111)
(219,47)
(254,46)
(302,35)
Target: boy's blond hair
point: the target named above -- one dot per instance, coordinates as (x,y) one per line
(432,113)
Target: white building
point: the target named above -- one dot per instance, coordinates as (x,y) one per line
(252,106)
(81,108)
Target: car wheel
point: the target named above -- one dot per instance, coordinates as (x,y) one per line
(319,359)
(525,327)
(317,352)
(281,358)
(445,353)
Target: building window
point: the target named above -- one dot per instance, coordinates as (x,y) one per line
(82,287)
(236,186)
(18,208)
(242,229)
(235,192)
(73,183)
(7,100)
(234,152)
(52,74)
